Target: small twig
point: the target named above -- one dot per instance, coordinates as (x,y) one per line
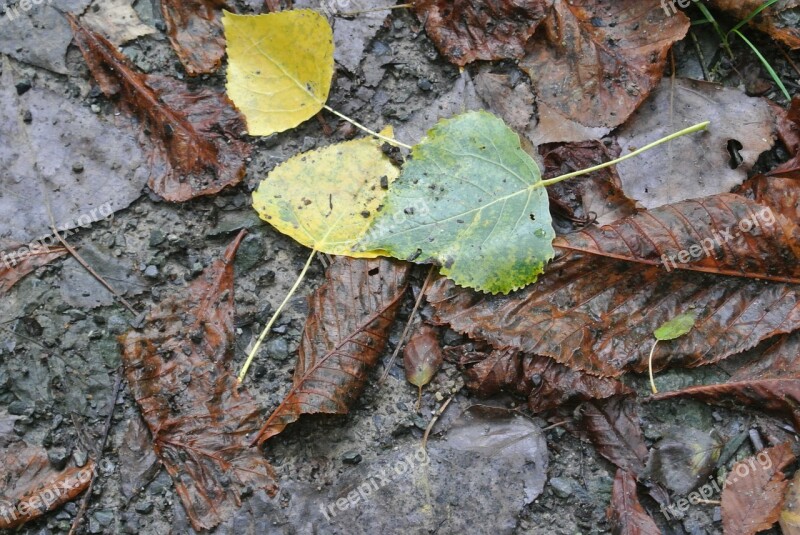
(709,502)
(700,56)
(374,9)
(408,327)
(434,420)
(106,429)
(559,424)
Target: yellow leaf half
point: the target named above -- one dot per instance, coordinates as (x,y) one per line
(280,67)
(326,199)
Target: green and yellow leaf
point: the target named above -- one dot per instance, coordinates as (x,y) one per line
(280,67)
(676,327)
(327,198)
(468,201)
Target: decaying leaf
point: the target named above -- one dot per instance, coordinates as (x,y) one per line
(116,20)
(135,453)
(466,201)
(195,133)
(594,62)
(754,491)
(467,30)
(790,515)
(513,104)
(771,382)
(10,274)
(422,357)
(615,431)
(326,199)
(201,420)
(346,330)
(546,383)
(683,459)
(195,31)
(779,20)
(280,67)
(689,168)
(782,195)
(626,514)
(31,487)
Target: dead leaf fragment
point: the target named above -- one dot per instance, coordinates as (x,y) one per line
(595,61)
(345,333)
(626,514)
(201,420)
(467,30)
(422,356)
(12,272)
(613,427)
(754,491)
(195,31)
(683,459)
(790,515)
(116,20)
(195,133)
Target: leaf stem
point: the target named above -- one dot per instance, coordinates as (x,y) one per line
(556,180)
(388,140)
(274,317)
(650,367)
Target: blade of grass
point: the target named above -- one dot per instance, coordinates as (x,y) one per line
(707,14)
(752,15)
(766,65)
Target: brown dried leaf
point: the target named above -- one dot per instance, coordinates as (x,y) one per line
(346,331)
(422,356)
(195,31)
(771,382)
(467,30)
(546,383)
(626,514)
(613,427)
(194,132)
(513,104)
(116,20)
(31,487)
(595,61)
(725,234)
(598,314)
(754,491)
(200,419)
(782,195)
(779,20)
(11,272)
(790,515)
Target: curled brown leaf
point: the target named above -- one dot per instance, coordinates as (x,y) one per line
(195,31)
(626,514)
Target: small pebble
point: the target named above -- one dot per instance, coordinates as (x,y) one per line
(351,457)
(77,167)
(151,272)
(23,87)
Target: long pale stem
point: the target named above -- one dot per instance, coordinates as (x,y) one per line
(388,140)
(277,313)
(556,180)
(650,367)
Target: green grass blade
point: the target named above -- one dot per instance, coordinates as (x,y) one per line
(766,64)
(752,15)
(724,38)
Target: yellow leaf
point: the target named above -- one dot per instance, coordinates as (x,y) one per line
(326,199)
(280,67)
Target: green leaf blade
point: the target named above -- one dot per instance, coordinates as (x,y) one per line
(466,202)
(676,327)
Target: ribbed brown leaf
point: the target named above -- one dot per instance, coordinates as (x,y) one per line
(626,514)
(195,133)
(754,491)
(195,31)
(346,331)
(724,234)
(597,313)
(466,30)
(613,427)
(771,382)
(201,420)
(546,383)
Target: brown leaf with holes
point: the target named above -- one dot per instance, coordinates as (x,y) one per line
(626,514)
(195,31)
(32,487)
(543,381)
(345,333)
(594,62)
(201,419)
(194,133)
(753,495)
(778,20)
(468,30)
(13,270)
(771,382)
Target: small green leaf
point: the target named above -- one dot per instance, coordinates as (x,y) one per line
(468,201)
(676,327)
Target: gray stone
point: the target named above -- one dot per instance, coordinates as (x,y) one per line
(562,486)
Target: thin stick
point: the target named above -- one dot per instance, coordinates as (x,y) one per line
(434,420)
(96,275)
(556,180)
(408,327)
(274,317)
(367,130)
(87,496)
(374,9)
(559,424)
(650,367)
